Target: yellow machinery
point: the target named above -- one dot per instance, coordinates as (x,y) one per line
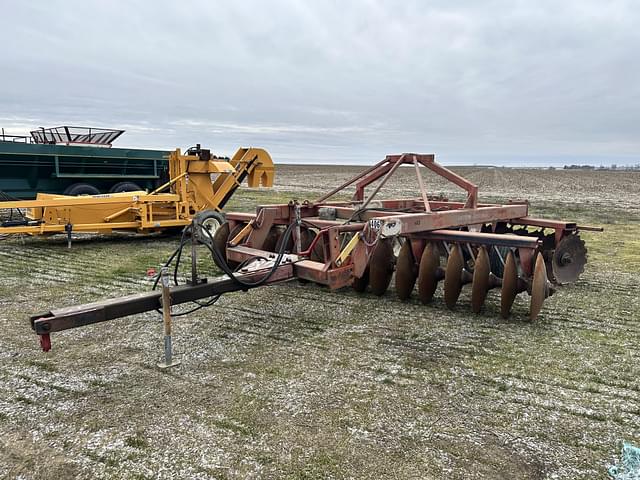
(200,185)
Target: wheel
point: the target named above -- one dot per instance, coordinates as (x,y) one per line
(81,189)
(125,187)
(207,223)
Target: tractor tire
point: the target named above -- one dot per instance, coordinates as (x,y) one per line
(81,189)
(125,187)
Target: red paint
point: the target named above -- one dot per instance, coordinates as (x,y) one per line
(45,342)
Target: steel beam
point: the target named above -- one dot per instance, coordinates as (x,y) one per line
(545,223)
(420,222)
(480,238)
(87,314)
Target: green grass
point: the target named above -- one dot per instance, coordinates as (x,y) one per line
(617,248)
(43,365)
(232,426)
(137,441)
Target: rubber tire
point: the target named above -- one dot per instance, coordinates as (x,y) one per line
(125,187)
(201,217)
(81,189)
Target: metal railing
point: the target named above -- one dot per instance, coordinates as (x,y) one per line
(5,137)
(76,135)
(66,135)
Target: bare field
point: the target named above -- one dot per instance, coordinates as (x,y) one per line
(293,381)
(575,189)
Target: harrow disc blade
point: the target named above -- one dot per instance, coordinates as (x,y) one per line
(539,287)
(381,267)
(306,238)
(220,239)
(569,259)
(453,277)
(234,232)
(405,271)
(317,254)
(480,285)
(271,241)
(427,276)
(360,284)
(288,247)
(509,285)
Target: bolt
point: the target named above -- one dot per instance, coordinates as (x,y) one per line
(566,259)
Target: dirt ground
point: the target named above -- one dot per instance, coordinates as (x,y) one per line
(293,381)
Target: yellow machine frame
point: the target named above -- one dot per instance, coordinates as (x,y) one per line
(197,182)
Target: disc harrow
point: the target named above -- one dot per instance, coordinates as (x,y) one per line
(427,241)
(437,242)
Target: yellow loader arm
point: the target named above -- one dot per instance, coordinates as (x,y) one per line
(253,164)
(198,182)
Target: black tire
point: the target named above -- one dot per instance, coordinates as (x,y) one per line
(232,234)
(125,187)
(207,220)
(81,189)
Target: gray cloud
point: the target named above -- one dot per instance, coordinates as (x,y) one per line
(327,81)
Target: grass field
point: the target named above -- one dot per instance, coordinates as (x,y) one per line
(293,381)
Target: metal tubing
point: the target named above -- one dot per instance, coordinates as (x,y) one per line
(471,188)
(296,231)
(349,182)
(423,192)
(590,228)
(166,313)
(166,318)
(370,178)
(478,238)
(384,180)
(72,317)
(544,223)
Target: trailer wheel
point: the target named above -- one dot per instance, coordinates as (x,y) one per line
(125,187)
(210,221)
(81,189)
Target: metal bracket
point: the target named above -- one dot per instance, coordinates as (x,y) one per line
(346,251)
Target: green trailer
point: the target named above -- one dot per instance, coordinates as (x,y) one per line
(75,161)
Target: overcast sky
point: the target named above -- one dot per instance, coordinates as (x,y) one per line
(500,82)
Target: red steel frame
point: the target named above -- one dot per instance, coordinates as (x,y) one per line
(420,219)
